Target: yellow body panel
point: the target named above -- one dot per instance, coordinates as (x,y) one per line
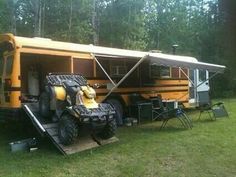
(56,53)
(89,103)
(60,93)
(15,95)
(88,96)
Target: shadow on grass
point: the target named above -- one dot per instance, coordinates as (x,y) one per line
(16,131)
(153,127)
(204,120)
(167,128)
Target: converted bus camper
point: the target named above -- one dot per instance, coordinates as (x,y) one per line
(115,73)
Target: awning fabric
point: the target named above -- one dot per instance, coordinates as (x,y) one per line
(183,62)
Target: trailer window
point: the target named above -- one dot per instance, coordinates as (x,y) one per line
(9,63)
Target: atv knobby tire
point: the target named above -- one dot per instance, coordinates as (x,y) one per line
(44,105)
(109,130)
(68,129)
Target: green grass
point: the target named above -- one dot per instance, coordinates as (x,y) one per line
(209,149)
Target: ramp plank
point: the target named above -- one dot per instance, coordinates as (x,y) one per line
(50,125)
(52,131)
(108,141)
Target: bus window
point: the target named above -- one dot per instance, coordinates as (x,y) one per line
(184,73)
(117,71)
(157,71)
(117,68)
(84,67)
(1,65)
(154,71)
(202,75)
(165,72)
(9,63)
(175,72)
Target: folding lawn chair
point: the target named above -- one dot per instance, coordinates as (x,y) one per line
(217,110)
(164,114)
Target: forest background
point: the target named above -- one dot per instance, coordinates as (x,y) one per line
(205,29)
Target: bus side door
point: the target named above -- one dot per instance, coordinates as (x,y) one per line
(202,86)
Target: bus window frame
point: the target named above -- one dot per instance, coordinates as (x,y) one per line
(2,63)
(5,57)
(202,76)
(159,68)
(117,65)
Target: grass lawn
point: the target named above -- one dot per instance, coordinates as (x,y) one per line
(209,149)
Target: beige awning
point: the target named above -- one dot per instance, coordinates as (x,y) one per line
(183,62)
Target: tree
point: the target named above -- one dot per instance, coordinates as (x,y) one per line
(7,17)
(95,23)
(122,24)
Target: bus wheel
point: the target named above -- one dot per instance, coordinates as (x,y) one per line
(119,111)
(68,129)
(44,105)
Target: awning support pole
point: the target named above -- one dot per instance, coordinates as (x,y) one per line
(130,71)
(198,85)
(207,79)
(103,69)
(186,75)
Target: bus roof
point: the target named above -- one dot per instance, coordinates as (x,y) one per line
(156,58)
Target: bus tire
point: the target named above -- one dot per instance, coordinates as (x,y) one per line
(44,105)
(119,111)
(68,129)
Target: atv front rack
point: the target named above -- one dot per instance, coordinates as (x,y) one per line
(58,79)
(103,113)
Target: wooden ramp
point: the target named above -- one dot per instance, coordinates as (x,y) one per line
(50,130)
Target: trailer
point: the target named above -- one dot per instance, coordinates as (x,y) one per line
(115,74)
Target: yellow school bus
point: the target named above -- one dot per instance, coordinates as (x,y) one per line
(117,74)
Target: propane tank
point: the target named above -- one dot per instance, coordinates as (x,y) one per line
(33,82)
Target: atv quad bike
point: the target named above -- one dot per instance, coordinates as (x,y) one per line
(71,101)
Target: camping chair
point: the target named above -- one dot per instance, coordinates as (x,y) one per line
(164,114)
(217,110)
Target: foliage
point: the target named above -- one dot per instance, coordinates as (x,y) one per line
(122,24)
